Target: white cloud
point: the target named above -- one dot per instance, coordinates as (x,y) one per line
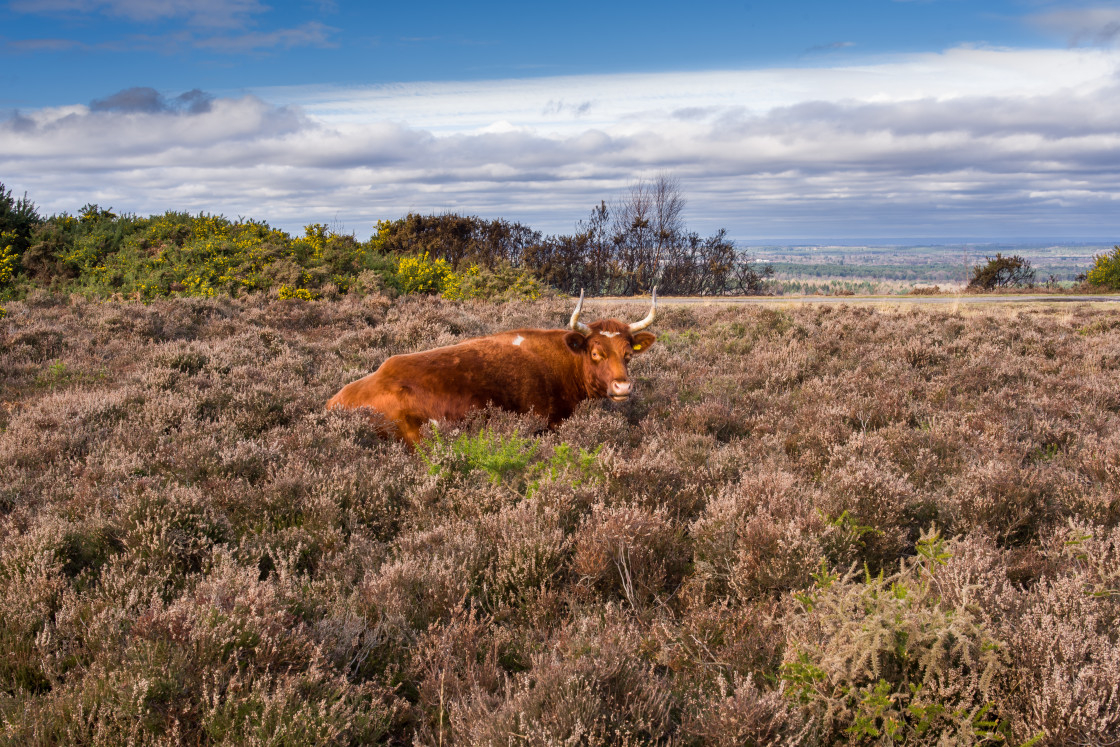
(615,100)
(984,142)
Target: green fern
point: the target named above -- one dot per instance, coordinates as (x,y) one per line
(496,455)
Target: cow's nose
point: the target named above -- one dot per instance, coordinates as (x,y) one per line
(620,388)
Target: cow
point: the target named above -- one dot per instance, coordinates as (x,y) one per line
(547,372)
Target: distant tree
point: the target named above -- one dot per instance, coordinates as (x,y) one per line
(640,241)
(717,260)
(750,279)
(1002,272)
(1106,269)
(648,226)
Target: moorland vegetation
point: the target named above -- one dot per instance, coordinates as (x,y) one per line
(638,241)
(626,248)
(810,525)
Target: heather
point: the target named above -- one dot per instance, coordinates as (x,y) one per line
(810,525)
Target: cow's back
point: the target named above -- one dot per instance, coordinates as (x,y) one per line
(522,371)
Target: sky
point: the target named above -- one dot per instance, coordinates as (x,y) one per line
(921,119)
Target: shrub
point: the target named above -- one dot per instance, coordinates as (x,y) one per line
(1011,502)
(100,253)
(422,274)
(530,546)
(7,262)
(890,657)
(629,552)
(592,687)
(1106,269)
(1002,272)
(302,294)
(758,537)
(496,455)
(18,218)
(745,714)
(502,283)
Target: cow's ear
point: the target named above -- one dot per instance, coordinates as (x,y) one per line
(576,342)
(642,341)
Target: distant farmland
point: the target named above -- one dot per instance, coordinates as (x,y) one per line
(894,269)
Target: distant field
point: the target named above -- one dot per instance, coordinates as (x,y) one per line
(896,269)
(812,524)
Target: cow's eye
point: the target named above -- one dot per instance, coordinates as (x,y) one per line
(596,355)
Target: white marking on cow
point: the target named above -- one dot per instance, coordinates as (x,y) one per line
(518,340)
(609,334)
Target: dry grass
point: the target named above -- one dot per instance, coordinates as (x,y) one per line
(193,551)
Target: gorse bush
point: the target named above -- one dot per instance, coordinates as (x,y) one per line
(423,275)
(7,265)
(501,283)
(894,657)
(7,262)
(180,254)
(177,254)
(287,292)
(18,218)
(193,550)
(1106,269)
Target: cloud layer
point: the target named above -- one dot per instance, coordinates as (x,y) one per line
(1096,25)
(973,142)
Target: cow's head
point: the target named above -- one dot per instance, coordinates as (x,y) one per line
(606,348)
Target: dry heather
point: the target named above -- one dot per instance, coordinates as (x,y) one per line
(812,525)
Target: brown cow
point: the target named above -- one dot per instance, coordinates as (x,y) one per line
(543,371)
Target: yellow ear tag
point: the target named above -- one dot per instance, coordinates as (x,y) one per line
(637,347)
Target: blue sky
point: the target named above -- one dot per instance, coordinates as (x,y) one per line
(935,118)
(70,51)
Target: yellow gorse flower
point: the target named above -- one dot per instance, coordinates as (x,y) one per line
(7,263)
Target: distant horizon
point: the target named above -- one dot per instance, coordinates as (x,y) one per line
(366,231)
(917,242)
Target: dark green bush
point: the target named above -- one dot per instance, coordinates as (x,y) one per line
(1002,272)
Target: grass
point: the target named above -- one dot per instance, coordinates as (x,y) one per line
(811,524)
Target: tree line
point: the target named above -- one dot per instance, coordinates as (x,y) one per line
(624,248)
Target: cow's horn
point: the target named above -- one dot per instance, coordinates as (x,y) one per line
(636,326)
(576,324)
